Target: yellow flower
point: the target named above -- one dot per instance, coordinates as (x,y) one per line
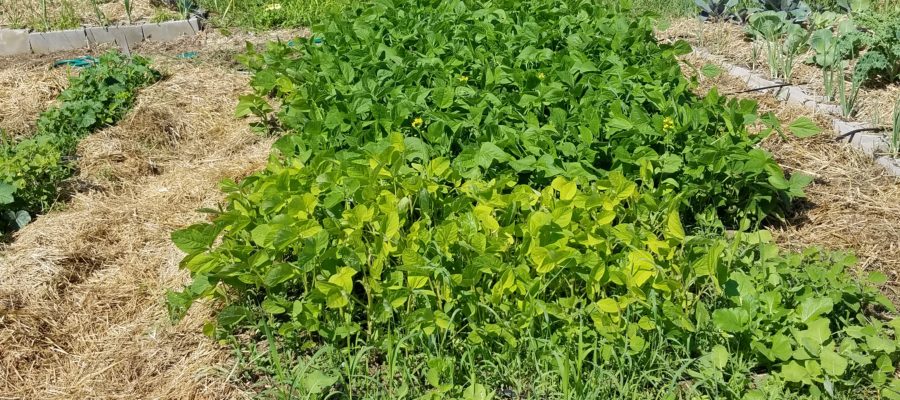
(463,78)
(541,75)
(668,124)
(417,123)
(273,7)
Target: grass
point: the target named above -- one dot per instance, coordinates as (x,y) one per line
(666,8)
(262,14)
(539,367)
(895,130)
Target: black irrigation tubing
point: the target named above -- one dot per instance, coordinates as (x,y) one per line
(853,133)
(780,85)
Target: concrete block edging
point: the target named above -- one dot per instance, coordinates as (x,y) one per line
(868,143)
(20,41)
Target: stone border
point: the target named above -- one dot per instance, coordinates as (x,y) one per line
(866,142)
(20,41)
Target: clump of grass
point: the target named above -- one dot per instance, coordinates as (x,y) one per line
(101,17)
(268,14)
(127,4)
(68,18)
(895,130)
(161,14)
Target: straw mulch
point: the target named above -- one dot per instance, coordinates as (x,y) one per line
(31,12)
(875,105)
(26,91)
(82,311)
(852,204)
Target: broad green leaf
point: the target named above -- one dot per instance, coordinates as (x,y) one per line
(641,267)
(316,382)
(619,124)
(832,363)
(279,273)
(814,307)
(710,70)
(607,305)
(794,372)
(719,356)
(804,127)
(732,320)
(6,193)
(195,238)
(567,189)
(343,278)
(674,229)
(485,215)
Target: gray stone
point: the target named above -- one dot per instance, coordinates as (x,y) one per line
(14,42)
(49,42)
(824,108)
(843,127)
(167,31)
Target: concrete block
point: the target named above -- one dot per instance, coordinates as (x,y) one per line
(49,42)
(14,42)
(868,143)
(892,165)
(793,95)
(167,31)
(842,127)
(824,108)
(195,24)
(100,35)
(121,35)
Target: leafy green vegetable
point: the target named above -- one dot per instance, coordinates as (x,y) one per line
(477,175)
(32,169)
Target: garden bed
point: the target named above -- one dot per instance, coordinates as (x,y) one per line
(50,15)
(82,287)
(876,102)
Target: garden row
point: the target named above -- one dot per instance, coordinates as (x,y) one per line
(462,188)
(854,48)
(52,15)
(33,168)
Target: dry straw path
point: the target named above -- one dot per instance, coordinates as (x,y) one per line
(81,289)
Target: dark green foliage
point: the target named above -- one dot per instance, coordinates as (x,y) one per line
(881,60)
(717,10)
(796,10)
(551,100)
(477,180)
(31,169)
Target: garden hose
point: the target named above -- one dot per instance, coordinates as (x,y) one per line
(78,62)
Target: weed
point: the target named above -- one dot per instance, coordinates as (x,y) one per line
(266,14)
